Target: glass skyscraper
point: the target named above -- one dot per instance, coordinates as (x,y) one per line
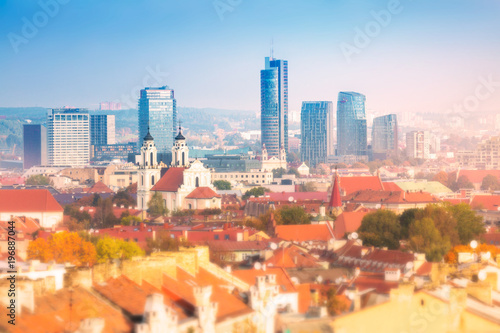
(351,124)
(68,137)
(35,145)
(274,105)
(157,109)
(102,129)
(384,136)
(317,122)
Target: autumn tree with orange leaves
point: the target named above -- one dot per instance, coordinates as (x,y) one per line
(452,256)
(63,247)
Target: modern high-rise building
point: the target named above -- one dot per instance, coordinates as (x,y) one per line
(317,131)
(351,124)
(384,136)
(68,137)
(158,113)
(274,105)
(417,144)
(102,129)
(35,145)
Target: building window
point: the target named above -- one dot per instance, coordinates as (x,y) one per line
(216,237)
(226,237)
(197,182)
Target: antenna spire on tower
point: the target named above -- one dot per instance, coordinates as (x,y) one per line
(272,48)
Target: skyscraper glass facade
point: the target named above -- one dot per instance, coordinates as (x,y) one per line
(384,136)
(68,137)
(158,110)
(317,123)
(35,145)
(351,124)
(274,105)
(102,129)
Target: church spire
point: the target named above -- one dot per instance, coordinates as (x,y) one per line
(335,199)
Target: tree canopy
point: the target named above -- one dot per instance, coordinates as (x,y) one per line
(381,229)
(63,247)
(38,180)
(256,192)
(112,248)
(490,183)
(222,185)
(425,237)
(155,205)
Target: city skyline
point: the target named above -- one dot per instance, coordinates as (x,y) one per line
(446,57)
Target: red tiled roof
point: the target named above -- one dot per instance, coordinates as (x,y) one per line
(391,186)
(130,296)
(230,246)
(348,222)
(53,313)
(171,180)
(9,181)
(488,202)
(298,196)
(424,269)
(304,232)
(372,196)
(28,201)
(181,290)
(292,257)
(202,193)
(476,176)
(357,183)
(376,281)
(282,278)
(99,187)
(492,238)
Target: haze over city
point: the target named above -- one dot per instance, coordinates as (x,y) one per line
(426,56)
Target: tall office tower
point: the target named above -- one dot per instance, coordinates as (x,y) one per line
(317,130)
(35,145)
(385,136)
(417,144)
(351,124)
(68,137)
(274,105)
(102,129)
(158,113)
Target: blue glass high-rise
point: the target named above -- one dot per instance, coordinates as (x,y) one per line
(351,124)
(317,123)
(384,136)
(274,105)
(158,111)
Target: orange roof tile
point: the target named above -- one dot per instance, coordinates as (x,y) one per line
(171,180)
(53,313)
(202,193)
(476,176)
(304,232)
(28,201)
(282,277)
(292,257)
(181,290)
(391,186)
(99,187)
(488,202)
(357,183)
(348,222)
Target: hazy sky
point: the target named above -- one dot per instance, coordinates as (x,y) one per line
(419,55)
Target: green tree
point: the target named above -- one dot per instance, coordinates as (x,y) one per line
(123,198)
(256,192)
(462,182)
(406,219)
(278,173)
(334,304)
(359,165)
(293,171)
(222,185)
(156,206)
(38,180)
(441,177)
(165,241)
(109,248)
(381,229)
(425,237)
(443,220)
(293,215)
(307,187)
(469,225)
(130,220)
(490,183)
